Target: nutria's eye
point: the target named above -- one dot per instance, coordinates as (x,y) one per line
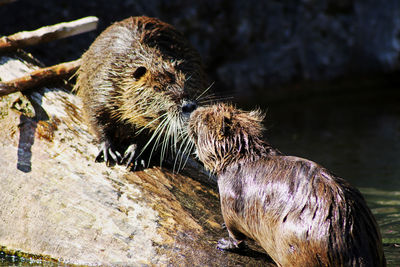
(157,89)
(139,72)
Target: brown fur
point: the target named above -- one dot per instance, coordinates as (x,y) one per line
(137,73)
(300,213)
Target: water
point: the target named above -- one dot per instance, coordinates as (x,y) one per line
(8,260)
(355,136)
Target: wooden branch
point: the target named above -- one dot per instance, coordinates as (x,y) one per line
(39,77)
(48,33)
(3,2)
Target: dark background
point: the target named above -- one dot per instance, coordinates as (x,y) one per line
(249,47)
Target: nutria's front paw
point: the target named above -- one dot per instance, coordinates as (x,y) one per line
(230,244)
(108,154)
(130,161)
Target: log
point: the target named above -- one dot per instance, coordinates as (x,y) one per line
(48,33)
(58,205)
(39,77)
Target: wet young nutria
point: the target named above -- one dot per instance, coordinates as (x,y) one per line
(300,213)
(139,81)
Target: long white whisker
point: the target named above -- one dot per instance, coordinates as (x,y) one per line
(171,138)
(205,91)
(180,156)
(145,127)
(163,122)
(215,99)
(185,153)
(159,134)
(166,140)
(190,148)
(184,138)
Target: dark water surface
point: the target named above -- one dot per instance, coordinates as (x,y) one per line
(355,136)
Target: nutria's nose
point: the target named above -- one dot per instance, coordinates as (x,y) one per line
(188,107)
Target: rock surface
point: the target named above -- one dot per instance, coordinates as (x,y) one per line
(56,204)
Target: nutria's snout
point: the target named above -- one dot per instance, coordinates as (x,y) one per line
(188,107)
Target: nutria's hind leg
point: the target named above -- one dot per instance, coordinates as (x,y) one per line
(108,153)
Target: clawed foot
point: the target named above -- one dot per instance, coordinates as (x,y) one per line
(108,154)
(230,244)
(130,161)
(112,156)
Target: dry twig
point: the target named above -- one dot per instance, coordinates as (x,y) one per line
(48,33)
(39,77)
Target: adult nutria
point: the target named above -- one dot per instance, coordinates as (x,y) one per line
(139,81)
(300,213)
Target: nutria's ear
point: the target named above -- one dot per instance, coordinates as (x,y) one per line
(226,125)
(139,72)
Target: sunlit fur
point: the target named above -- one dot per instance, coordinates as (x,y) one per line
(300,213)
(223,135)
(147,109)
